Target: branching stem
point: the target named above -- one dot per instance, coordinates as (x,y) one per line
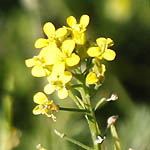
(62,135)
(74,110)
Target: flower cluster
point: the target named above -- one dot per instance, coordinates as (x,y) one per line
(62,55)
(99,53)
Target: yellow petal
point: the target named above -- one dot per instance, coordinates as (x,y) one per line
(41,42)
(52,77)
(49,88)
(40,98)
(49,29)
(49,54)
(68,47)
(94,51)
(103,69)
(110,42)
(37,110)
(63,93)
(71,21)
(101,42)
(38,71)
(66,77)
(79,37)
(58,68)
(61,32)
(72,60)
(30,62)
(109,55)
(84,20)
(91,78)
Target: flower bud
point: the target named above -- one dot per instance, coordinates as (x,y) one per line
(113,97)
(111,120)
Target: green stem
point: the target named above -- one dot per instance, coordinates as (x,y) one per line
(91,119)
(100,103)
(94,129)
(75,99)
(62,135)
(115,137)
(74,109)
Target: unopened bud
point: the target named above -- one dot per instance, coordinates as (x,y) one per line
(40,147)
(111,120)
(59,134)
(113,97)
(99,140)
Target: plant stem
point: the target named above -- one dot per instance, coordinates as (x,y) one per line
(115,137)
(94,129)
(74,109)
(100,103)
(75,99)
(77,143)
(62,135)
(91,119)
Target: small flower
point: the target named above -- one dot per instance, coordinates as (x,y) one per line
(50,55)
(97,75)
(58,82)
(42,64)
(53,36)
(102,50)
(45,106)
(39,67)
(65,56)
(78,29)
(91,78)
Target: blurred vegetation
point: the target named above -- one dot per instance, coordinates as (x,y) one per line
(126,22)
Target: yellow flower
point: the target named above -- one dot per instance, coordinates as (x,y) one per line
(65,56)
(91,78)
(53,36)
(97,75)
(78,29)
(39,68)
(42,64)
(58,82)
(102,50)
(45,106)
(50,55)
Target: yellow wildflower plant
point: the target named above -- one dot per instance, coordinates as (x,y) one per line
(71,65)
(58,83)
(78,30)
(45,106)
(102,50)
(53,36)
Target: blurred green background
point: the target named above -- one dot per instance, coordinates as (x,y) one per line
(126,22)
